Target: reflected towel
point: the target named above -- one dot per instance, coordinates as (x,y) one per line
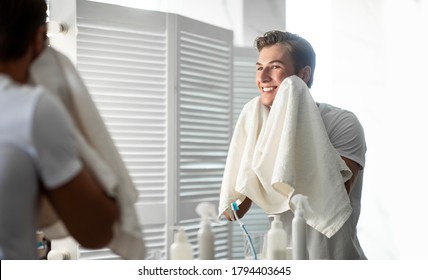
(57,73)
(274,155)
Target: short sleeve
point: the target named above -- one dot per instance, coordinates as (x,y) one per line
(54,142)
(347,136)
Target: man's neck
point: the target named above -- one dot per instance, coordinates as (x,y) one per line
(17,70)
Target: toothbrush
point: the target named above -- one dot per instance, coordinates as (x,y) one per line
(244,229)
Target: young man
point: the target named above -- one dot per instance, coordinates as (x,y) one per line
(281,55)
(37,147)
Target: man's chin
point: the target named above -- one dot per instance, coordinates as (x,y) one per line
(267,103)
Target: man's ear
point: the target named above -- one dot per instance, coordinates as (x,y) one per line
(39,42)
(305,73)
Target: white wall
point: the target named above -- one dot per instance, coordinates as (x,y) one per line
(247,18)
(223,13)
(373,57)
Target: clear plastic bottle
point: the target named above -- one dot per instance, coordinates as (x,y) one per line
(181,249)
(276,248)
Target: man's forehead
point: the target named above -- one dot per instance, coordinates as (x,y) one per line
(276,53)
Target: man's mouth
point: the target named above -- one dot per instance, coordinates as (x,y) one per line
(268,89)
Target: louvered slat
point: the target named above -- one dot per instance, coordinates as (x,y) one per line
(204,104)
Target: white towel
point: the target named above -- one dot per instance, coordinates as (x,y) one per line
(58,74)
(274,155)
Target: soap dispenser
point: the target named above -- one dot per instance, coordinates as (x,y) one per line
(181,249)
(206,211)
(276,248)
(298,228)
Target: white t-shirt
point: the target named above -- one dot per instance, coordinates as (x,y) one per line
(36,145)
(347,136)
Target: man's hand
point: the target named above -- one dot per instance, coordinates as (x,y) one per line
(243,208)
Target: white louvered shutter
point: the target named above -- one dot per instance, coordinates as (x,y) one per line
(121,55)
(204,69)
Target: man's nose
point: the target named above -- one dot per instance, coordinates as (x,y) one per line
(265,75)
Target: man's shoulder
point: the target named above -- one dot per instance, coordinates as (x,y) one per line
(338,120)
(15,95)
(331,112)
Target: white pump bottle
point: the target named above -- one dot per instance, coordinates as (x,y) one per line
(205,234)
(276,240)
(181,249)
(298,229)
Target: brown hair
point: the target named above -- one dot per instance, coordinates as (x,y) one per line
(300,49)
(19,20)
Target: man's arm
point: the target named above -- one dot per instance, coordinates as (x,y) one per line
(78,198)
(354,167)
(86,210)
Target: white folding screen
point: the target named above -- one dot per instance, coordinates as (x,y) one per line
(163,85)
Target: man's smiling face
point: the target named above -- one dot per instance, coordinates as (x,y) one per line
(273,66)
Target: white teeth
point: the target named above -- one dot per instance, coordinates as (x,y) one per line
(268,89)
